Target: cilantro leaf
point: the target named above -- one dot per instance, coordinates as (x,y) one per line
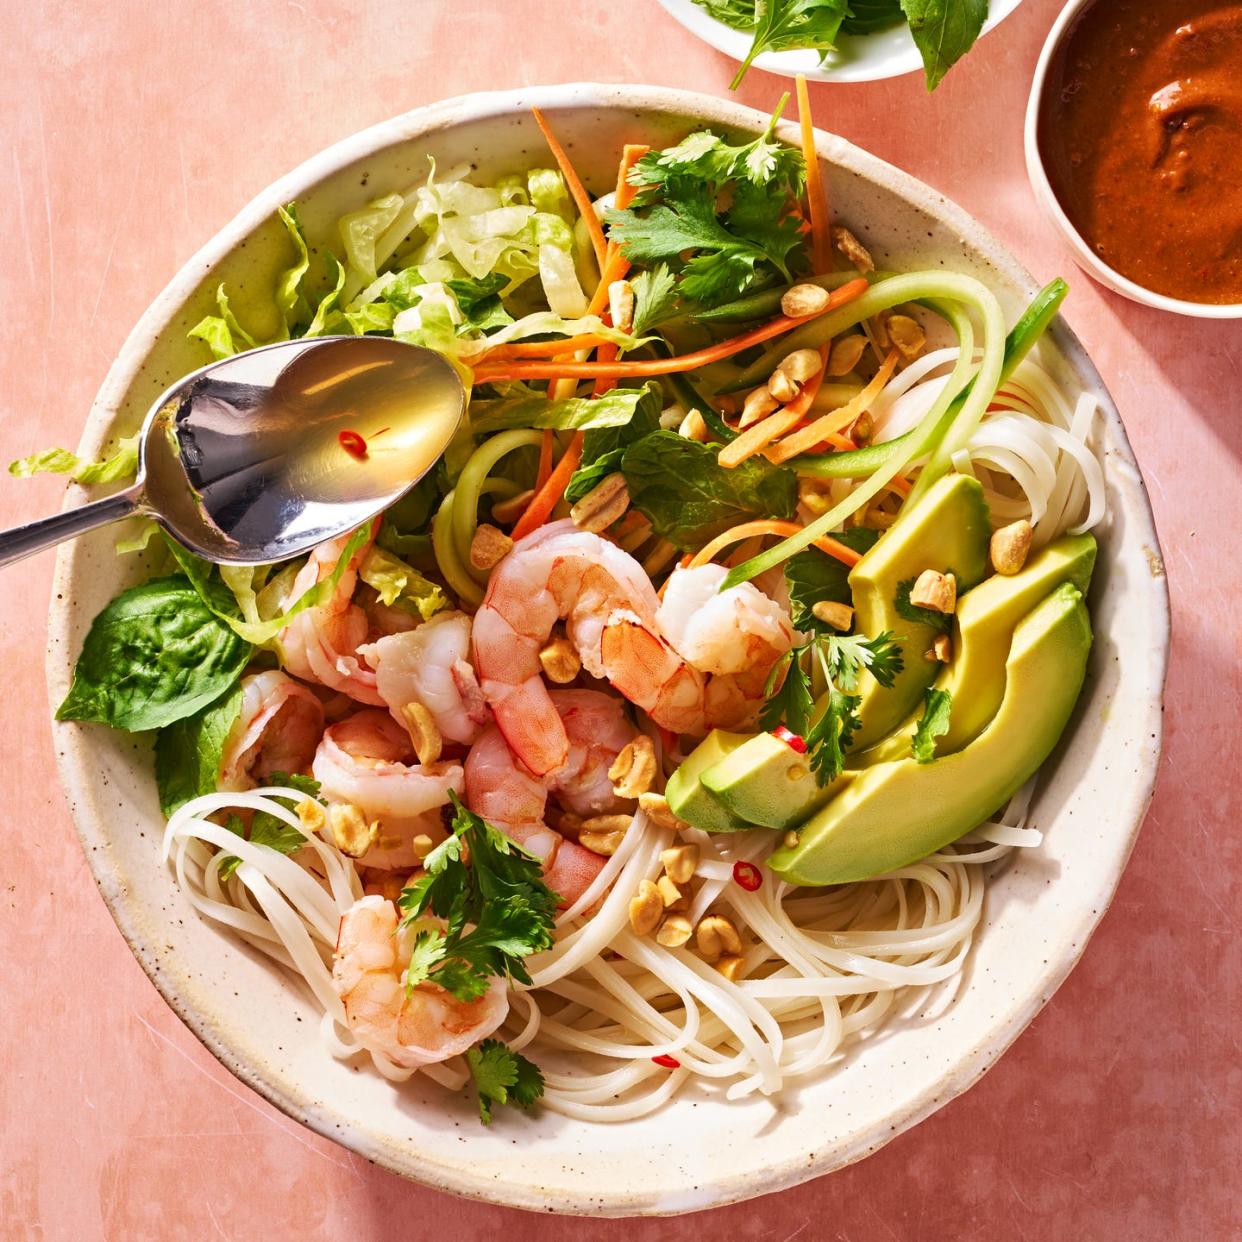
(938,621)
(502,1076)
(812,575)
(937,705)
(792,704)
(496,909)
(655,298)
(846,655)
(829,737)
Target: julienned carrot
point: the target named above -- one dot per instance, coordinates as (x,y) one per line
(545,458)
(605,353)
(665,366)
(823,428)
(772,526)
(631,153)
(544,500)
(577,191)
(816,195)
(756,438)
(545,349)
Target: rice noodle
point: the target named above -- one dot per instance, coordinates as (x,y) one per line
(822,969)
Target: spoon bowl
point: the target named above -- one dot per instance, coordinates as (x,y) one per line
(259,457)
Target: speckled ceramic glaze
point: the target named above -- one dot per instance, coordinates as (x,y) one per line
(700,1151)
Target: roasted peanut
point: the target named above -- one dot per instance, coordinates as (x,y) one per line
(759,404)
(790,840)
(424,732)
(350,830)
(560,661)
(853,249)
(694,428)
(655,806)
(941,649)
(799,301)
(716,935)
(674,931)
(839,616)
(621,304)
(908,335)
(602,505)
(311,816)
(935,591)
(847,352)
(646,909)
(506,512)
(680,862)
(674,896)
(489,546)
(1010,547)
(633,771)
(603,843)
(816,495)
(730,967)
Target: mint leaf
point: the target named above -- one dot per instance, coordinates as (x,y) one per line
(604,447)
(937,705)
(812,576)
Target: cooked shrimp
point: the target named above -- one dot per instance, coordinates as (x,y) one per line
(501,790)
(277,731)
(414,1028)
(611,612)
(366,760)
(431,665)
(321,644)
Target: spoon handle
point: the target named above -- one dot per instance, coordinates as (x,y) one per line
(35,536)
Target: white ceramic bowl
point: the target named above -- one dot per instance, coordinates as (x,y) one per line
(699,1151)
(859,58)
(1084,255)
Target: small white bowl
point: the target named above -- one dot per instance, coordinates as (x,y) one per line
(1084,256)
(860,58)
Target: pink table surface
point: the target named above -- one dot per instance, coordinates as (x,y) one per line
(132,132)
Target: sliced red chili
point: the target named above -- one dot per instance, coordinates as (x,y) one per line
(668,1062)
(353,444)
(748,876)
(795,741)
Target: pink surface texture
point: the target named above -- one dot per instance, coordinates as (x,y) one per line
(131,133)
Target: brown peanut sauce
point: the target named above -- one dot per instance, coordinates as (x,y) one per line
(1140,130)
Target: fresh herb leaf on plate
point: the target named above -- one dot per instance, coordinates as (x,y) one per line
(655,298)
(604,447)
(781,25)
(944,31)
(188,752)
(156,654)
(496,910)
(690,498)
(789,703)
(870,16)
(502,1076)
(270,830)
(812,576)
(937,706)
(941,622)
(479,301)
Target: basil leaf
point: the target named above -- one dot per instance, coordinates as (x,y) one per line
(156,654)
(944,31)
(690,498)
(188,752)
(604,447)
(812,575)
(867,16)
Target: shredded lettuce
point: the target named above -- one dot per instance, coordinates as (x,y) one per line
(360,230)
(614,409)
(121,464)
(400,585)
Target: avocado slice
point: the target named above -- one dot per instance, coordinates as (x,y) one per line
(947,530)
(896,813)
(984,630)
(688,798)
(766,782)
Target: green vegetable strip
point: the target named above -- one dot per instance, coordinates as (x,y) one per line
(465,509)
(927,434)
(861,462)
(463,585)
(912,287)
(765,304)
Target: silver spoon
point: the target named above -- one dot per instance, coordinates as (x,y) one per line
(261,456)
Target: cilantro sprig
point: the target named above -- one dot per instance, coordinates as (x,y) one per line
(502,1076)
(267,829)
(937,706)
(495,907)
(842,659)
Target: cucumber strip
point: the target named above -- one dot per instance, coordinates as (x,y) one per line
(929,433)
(767,302)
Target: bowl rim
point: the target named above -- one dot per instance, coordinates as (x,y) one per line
(733,1184)
(1041,184)
(790,63)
